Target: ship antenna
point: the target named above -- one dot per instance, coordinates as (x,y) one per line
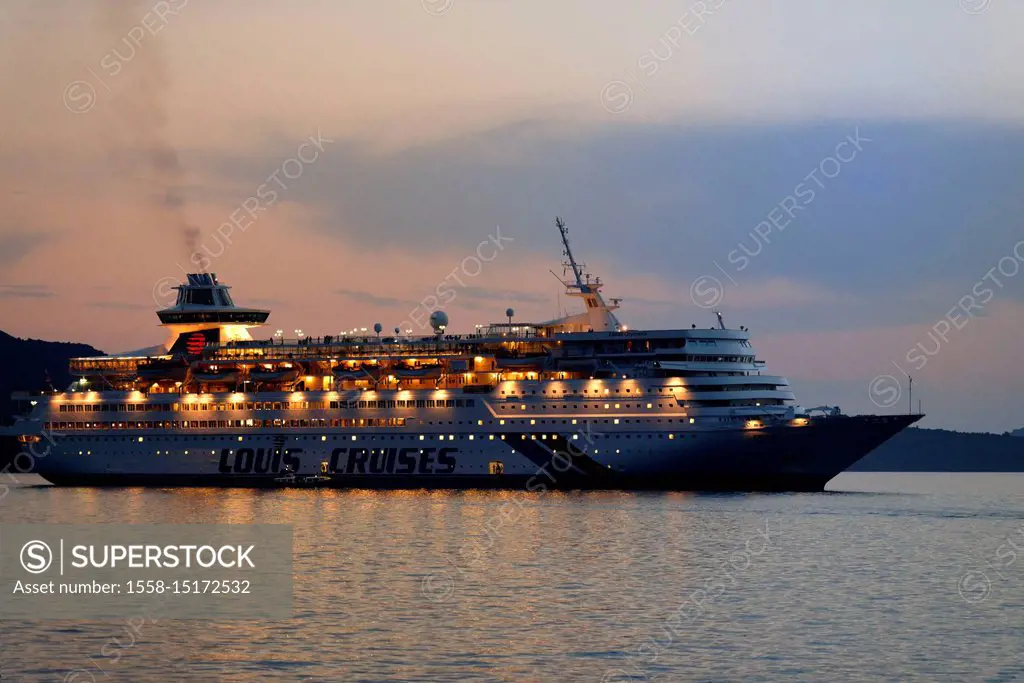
(564,231)
(910,400)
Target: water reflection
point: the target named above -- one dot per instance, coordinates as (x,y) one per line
(505,586)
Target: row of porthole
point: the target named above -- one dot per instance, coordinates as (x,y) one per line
(576,406)
(421,437)
(501,422)
(607,392)
(231,451)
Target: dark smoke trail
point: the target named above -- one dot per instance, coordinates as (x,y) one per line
(136,70)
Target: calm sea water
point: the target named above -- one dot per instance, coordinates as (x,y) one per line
(886,577)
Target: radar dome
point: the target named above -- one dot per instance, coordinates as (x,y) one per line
(439,321)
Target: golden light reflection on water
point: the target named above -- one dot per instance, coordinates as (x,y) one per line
(514,586)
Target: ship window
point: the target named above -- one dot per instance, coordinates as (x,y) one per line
(203,297)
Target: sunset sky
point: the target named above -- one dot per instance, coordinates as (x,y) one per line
(663,132)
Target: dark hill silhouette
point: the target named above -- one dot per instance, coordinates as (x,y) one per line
(938,450)
(28,363)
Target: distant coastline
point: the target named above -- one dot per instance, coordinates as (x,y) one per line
(940,450)
(35,365)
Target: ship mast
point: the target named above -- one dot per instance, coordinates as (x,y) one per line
(597,316)
(576,269)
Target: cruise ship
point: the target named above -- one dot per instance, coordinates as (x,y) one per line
(579,402)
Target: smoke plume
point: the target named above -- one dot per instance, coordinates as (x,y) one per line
(136,71)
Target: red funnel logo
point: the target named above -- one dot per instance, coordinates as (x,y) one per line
(195,343)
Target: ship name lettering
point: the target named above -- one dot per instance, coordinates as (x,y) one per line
(258,460)
(412,461)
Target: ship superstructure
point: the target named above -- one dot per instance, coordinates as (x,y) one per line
(576,402)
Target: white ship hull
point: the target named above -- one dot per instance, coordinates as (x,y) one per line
(473,448)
